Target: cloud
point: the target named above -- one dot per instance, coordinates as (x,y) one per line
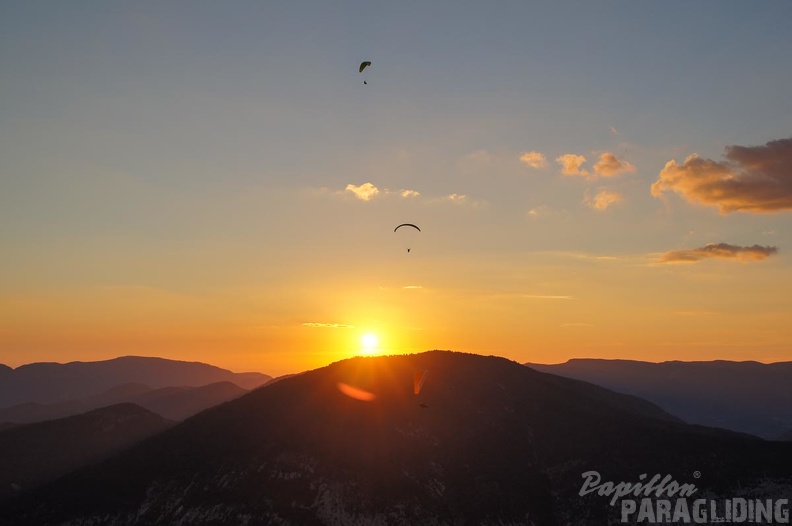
(367,192)
(413,287)
(328,325)
(546,297)
(364,192)
(460,200)
(533,159)
(609,165)
(571,163)
(457,198)
(603,199)
(719,251)
(614,131)
(541,210)
(752,179)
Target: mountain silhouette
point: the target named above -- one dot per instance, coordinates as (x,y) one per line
(46,383)
(498,443)
(173,403)
(36,453)
(748,397)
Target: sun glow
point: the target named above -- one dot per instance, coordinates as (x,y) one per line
(369,341)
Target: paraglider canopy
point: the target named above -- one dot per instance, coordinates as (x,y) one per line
(363,65)
(407,224)
(418,380)
(410,231)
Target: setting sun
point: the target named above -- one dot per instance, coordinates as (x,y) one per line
(369,341)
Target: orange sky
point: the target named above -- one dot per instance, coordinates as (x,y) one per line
(220,185)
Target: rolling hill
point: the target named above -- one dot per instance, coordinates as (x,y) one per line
(36,453)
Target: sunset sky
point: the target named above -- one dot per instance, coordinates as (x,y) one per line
(212,181)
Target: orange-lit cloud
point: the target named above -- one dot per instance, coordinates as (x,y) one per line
(571,163)
(752,179)
(603,199)
(533,159)
(719,251)
(328,325)
(364,192)
(609,165)
(409,193)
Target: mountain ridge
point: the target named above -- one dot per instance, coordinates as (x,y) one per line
(747,396)
(50,382)
(498,443)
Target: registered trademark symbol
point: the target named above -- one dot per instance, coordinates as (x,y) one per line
(697,474)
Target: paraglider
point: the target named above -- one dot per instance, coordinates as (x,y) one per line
(409,227)
(364,65)
(418,381)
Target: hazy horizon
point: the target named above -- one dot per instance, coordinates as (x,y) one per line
(216,183)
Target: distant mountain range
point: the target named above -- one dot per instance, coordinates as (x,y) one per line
(173,403)
(748,397)
(49,383)
(37,453)
(486,441)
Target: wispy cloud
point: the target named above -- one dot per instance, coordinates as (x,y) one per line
(533,159)
(368,191)
(456,198)
(413,287)
(479,156)
(459,200)
(695,313)
(603,199)
(752,179)
(571,164)
(327,325)
(541,210)
(718,251)
(546,297)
